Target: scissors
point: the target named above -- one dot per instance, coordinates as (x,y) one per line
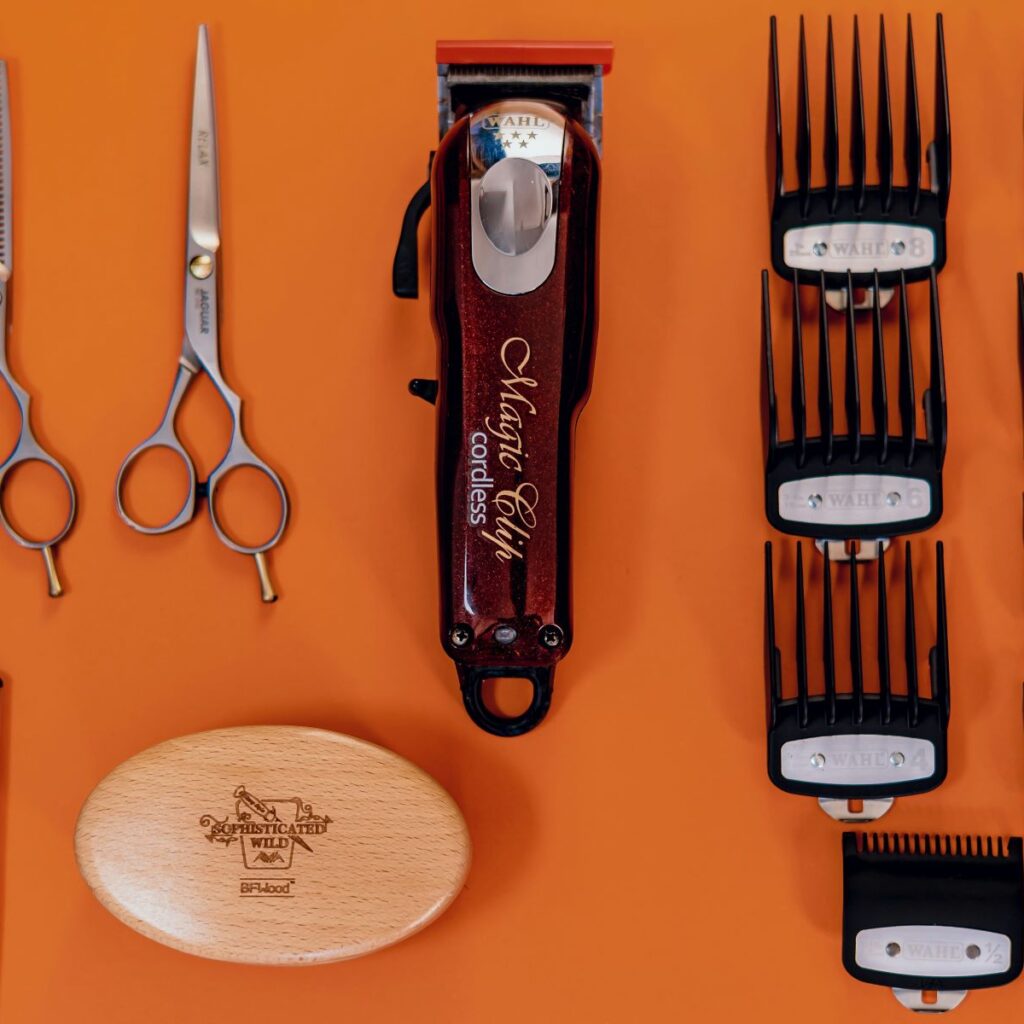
(26,448)
(199,350)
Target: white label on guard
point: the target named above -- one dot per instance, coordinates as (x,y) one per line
(859,246)
(932,951)
(858,759)
(854,499)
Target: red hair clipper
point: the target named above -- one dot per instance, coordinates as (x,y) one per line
(514,186)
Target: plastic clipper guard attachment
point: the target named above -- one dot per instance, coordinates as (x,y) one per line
(856,748)
(866,482)
(859,226)
(514,191)
(932,916)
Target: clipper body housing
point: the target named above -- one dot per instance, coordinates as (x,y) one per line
(514,190)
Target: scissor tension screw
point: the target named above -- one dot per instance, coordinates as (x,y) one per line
(460,635)
(201,266)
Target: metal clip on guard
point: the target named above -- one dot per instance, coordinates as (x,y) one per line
(932,916)
(860,228)
(514,186)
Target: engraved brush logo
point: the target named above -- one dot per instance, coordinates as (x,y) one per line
(267,831)
(514,131)
(515,507)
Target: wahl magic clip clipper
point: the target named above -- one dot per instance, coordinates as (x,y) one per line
(933,916)
(856,750)
(514,190)
(852,232)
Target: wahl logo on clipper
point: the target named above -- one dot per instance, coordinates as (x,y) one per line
(514,508)
(506,122)
(268,831)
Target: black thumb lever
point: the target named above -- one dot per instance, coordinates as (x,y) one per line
(405,270)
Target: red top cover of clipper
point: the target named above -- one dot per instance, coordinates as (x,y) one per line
(530,51)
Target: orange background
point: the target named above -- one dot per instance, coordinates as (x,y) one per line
(632,861)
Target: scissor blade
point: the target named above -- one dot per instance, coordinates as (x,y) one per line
(5,176)
(203,198)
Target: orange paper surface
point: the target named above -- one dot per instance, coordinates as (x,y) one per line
(631,860)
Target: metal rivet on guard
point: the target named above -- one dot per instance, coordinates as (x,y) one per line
(201,266)
(818,760)
(505,634)
(893,949)
(819,248)
(814,500)
(896,758)
(893,498)
(973,951)
(898,248)
(460,635)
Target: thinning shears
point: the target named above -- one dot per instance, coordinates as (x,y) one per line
(26,448)
(199,351)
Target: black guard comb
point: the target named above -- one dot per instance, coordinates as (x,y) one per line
(857,750)
(932,916)
(860,227)
(858,485)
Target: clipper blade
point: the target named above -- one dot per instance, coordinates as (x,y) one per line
(932,916)
(860,227)
(862,484)
(860,745)
(473,74)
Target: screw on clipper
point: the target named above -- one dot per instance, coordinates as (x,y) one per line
(855,751)
(860,226)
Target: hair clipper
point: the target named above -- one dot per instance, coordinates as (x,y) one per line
(514,190)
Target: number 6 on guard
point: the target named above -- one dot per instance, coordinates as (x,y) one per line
(199,351)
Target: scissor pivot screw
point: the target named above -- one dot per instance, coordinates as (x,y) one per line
(201,266)
(551,636)
(460,636)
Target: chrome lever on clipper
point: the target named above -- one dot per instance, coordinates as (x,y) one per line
(856,751)
(860,228)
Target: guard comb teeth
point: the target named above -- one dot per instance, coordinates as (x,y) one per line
(859,227)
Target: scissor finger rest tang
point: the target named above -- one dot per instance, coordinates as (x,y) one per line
(861,226)
(932,916)
(866,744)
(514,190)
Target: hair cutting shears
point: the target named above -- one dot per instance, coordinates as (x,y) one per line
(26,448)
(199,350)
